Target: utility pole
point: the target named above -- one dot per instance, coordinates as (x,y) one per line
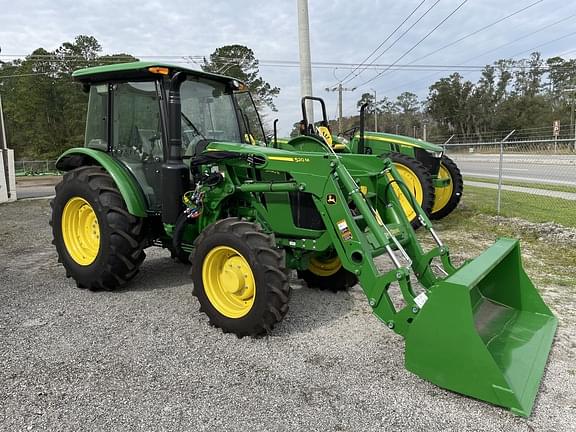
(305,59)
(424,130)
(339,89)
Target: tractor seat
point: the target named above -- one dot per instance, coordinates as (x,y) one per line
(324,132)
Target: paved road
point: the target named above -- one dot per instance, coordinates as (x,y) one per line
(34,192)
(36,187)
(550,169)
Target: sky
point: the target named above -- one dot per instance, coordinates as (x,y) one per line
(342,33)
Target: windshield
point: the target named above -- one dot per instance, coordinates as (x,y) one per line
(207,112)
(253,131)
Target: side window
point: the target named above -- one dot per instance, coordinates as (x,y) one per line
(96,135)
(253,132)
(136,127)
(137,135)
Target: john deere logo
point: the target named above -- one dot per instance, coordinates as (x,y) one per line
(331,199)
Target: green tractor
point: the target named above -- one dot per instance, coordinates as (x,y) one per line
(432,177)
(171,159)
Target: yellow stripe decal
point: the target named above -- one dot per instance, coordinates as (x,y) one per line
(281,158)
(375,138)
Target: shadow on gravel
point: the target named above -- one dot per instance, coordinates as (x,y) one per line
(157,273)
(312,309)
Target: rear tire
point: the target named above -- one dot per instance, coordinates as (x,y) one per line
(103,250)
(451,169)
(328,275)
(240,277)
(419,181)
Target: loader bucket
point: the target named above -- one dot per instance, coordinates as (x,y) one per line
(484,331)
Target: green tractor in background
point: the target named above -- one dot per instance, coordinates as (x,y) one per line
(172,158)
(432,177)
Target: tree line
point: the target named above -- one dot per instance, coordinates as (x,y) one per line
(45,109)
(526,94)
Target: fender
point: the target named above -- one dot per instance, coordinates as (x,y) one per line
(126,183)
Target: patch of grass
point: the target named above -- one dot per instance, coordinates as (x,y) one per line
(507,182)
(533,208)
(468,233)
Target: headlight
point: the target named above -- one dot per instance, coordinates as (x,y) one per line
(437,155)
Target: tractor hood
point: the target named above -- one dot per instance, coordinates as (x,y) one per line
(402,140)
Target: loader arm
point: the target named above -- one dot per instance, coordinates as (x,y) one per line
(354,225)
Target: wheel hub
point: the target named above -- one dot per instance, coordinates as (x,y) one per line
(443,195)
(412,182)
(324,267)
(228,282)
(80,231)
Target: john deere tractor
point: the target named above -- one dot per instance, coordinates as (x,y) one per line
(171,159)
(432,177)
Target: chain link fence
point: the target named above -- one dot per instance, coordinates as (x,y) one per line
(531,179)
(35,167)
(534,179)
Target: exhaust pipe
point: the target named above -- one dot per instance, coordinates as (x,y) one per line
(361,149)
(175,174)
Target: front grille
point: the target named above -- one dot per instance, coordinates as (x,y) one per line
(428,160)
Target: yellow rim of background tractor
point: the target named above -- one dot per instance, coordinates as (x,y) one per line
(412,182)
(326,267)
(443,195)
(80,231)
(228,282)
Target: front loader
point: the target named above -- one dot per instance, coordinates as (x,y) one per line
(171,160)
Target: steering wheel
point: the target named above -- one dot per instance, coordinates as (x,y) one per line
(349,133)
(190,138)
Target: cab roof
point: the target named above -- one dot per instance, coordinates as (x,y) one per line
(139,70)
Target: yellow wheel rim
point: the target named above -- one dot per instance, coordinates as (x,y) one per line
(443,195)
(80,231)
(326,267)
(228,282)
(412,182)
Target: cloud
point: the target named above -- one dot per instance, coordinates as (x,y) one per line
(341,31)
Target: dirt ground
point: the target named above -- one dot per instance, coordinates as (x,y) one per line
(145,358)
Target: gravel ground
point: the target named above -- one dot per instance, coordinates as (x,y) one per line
(144,358)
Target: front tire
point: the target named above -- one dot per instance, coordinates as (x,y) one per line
(98,242)
(418,181)
(240,277)
(447,198)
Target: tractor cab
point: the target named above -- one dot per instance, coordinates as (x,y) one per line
(129,117)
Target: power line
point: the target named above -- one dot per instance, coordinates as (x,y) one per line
(523,37)
(385,40)
(417,43)
(545,43)
(397,40)
(489,51)
(294,63)
(478,31)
